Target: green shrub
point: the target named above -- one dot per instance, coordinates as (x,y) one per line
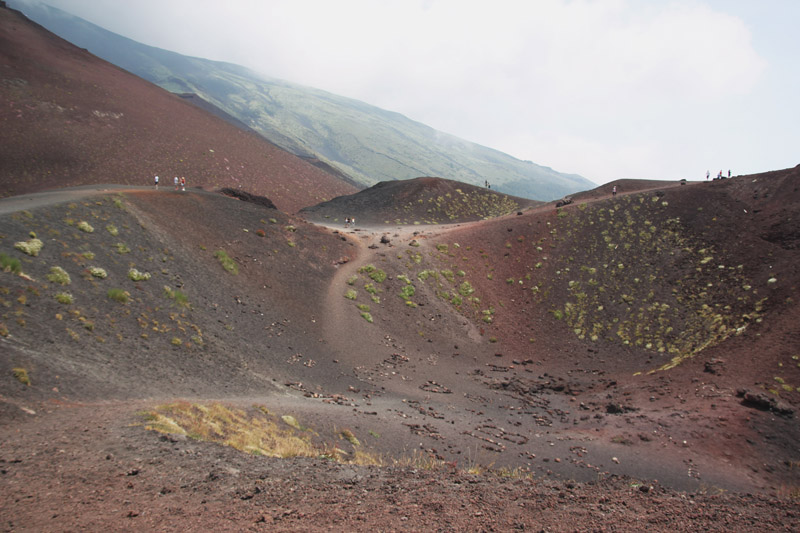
(119,295)
(112,229)
(407,292)
(366,316)
(31,247)
(465,289)
(59,275)
(21,375)
(122,248)
(135,275)
(378,275)
(10,264)
(352,279)
(64,298)
(98,272)
(178,297)
(226,261)
(351,294)
(85,226)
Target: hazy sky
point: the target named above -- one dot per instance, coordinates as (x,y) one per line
(606,88)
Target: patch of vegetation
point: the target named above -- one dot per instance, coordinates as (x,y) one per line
(227,262)
(119,295)
(31,247)
(21,375)
(135,275)
(10,264)
(178,297)
(348,435)
(59,275)
(122,248)
(98,272)
(112,229)
(407,292)
(366,316)
(351,294)
(64,298)
(85,227)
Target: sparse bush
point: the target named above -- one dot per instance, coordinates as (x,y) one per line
(21,375)
(367,316)
(348,435)
(176,341)
(261,233)
(85,227)
(465,289)
(112,229)
(407,292)
(10,264)
(64,298)
(31,247)
(378,275)
(352,279)
(59,275)
(119,295)
(122,248)
(98,272)
(227,262)
(351,294)
(135,275)
(178,297)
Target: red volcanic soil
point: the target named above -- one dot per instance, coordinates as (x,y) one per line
(69,118)
(470,371)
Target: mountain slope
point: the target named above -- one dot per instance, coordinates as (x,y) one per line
(74,119)
(367,143)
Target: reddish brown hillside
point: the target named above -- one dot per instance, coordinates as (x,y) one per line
(68,118)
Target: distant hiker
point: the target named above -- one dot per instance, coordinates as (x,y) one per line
(156,179)
(183,183)
(346,222)
(353,221)
(708,174)
(614,191)
(176,182)
(729,173)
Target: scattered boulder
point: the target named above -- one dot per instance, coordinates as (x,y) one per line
(764,402)
(714,366)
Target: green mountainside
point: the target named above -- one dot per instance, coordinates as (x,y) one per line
(367,143)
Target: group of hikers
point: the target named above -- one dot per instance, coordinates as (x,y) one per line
(348,221)
(178,183)
(720,175)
